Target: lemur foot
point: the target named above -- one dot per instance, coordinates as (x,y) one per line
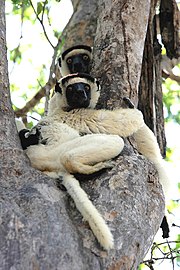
(105,165)
(29,137)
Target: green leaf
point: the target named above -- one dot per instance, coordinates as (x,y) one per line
(39,7)
(15,55)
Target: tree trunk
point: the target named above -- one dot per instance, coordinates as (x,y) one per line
(40,228)
(150,86)
(81,28)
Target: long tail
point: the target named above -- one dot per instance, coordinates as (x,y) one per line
(148,146)
(89,212)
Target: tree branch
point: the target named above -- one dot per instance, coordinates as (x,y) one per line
(45,90)
(41,22)
(171,255)
(170,75)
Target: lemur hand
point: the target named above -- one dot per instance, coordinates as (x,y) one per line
(29,137)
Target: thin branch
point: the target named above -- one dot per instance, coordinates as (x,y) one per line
(53,70)
(170,75)
(51,80)
(45,90)
(30,104)
(42,24)
(166,255)
(174,225)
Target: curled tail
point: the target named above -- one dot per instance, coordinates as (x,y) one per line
(89,212)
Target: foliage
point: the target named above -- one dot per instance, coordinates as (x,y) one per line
(171,99)
(160,252)
(29,18)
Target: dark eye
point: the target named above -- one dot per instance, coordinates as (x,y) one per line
(87,87)
(69,61)
(85,57)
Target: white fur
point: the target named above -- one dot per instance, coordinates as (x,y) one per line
(64,67)
(122,122)
(65,153)
(59,100)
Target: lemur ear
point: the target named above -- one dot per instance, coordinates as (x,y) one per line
(58,88)
(59,61)
(98,85)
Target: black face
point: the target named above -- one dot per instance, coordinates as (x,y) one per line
(78,95)
(78,63)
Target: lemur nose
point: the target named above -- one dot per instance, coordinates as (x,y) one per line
(77,67)
(81,93)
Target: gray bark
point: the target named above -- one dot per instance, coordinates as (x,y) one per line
(81,28)
(118,49)
(40,227)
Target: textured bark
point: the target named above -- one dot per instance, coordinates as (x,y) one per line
(120,53)
(81,29)
(150,87)
(169,26)
(40,228)
(119,48)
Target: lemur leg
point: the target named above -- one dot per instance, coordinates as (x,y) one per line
(88,154)
(44,158)
(92,153)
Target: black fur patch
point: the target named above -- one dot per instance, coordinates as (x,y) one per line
(84,47)
(32,139)
(77,75)
(59,61)
(57,88)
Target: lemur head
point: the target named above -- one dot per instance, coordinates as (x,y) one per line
(78,90)
(75,59)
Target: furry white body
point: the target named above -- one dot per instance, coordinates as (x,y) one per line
(122,122)
(66,152)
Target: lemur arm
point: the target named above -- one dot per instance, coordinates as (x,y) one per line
(122,122)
